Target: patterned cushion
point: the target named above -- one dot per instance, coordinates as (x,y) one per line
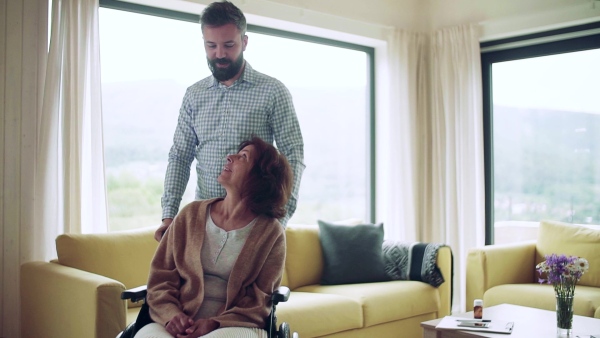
(412,261)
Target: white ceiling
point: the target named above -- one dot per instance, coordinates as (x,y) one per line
(427,15)
(372,18)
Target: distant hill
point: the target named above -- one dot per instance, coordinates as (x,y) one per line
(140,118)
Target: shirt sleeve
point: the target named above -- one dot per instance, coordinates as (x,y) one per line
(181,157)
(288,138)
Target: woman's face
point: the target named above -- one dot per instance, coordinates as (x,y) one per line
(236,170)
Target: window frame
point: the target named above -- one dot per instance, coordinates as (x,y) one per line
(558,41)
(370,52)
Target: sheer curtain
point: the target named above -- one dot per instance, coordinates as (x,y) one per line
(70,186)
(407,69)
(457,177)
(437,192)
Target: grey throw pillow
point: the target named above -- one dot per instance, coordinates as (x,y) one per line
(352,254)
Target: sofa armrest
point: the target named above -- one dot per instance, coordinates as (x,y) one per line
(59,301)
(444,262)
(494,265)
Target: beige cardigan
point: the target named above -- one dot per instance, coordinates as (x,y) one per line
(176,277)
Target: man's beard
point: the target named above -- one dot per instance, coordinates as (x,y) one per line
(224,74)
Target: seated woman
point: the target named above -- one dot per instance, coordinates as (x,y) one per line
(218,263)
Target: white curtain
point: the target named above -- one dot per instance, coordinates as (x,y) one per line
(457,177)
(407,67)
(436,157)
(70,186)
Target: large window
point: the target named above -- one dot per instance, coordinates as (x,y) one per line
(542,116)
(148,60)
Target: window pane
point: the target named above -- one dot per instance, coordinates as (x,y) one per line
(330,90)
(546,141)
(148,62)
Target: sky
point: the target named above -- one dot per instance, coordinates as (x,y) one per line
(569,82)
(136,47)
(147,47)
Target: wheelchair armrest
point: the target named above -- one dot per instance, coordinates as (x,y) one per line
(135,294)
(282,294)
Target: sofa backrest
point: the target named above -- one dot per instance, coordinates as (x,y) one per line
(571,240)
(304,257)
(124,256)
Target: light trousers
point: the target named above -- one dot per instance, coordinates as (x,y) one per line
(154,330)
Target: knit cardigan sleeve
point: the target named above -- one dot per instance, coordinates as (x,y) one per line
(175,283)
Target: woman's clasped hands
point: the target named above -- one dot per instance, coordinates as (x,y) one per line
(182,326)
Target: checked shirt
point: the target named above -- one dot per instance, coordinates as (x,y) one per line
(215,119)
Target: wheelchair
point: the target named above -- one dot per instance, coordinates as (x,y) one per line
(282,294)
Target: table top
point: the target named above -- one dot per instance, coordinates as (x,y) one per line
(529,322)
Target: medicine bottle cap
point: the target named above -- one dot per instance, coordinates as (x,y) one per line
(478,302)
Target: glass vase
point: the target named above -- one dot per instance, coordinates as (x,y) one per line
(564,316)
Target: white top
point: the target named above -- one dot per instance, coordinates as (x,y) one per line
(219,253)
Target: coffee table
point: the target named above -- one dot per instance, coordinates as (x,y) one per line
(529,323)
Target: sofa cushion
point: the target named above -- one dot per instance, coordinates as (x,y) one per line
(385,301)
(412,261)
(352,254)
(316,315)
(541,296)
(572,240)
(124,256)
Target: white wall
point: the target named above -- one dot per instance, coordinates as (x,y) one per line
(23,32)
(497,18)
(506,18)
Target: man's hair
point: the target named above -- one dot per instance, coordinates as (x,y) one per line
(269,183)
(221,13)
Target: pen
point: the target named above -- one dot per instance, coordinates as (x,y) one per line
(474,320)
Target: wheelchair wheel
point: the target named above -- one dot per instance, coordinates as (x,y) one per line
(284,331)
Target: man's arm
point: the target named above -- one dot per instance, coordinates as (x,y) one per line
(288,137)
(177,176)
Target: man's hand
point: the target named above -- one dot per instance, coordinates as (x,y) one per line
(162,228)
(200,328)
(179,324)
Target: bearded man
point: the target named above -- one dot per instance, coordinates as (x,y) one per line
(233,104)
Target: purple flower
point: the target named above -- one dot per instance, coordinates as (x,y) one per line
(563,272)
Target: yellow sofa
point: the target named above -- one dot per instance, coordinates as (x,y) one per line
(506,273)
(78,294)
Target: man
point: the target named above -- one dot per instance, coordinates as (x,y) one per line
(224,109)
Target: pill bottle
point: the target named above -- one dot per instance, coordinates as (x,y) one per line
(478,309)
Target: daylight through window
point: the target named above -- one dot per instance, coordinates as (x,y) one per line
(545,142)
(148,62)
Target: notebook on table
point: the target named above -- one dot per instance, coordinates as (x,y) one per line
(465,324)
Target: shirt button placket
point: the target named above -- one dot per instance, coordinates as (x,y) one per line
(225,109)
(220,248)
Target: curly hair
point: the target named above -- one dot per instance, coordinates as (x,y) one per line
(269,183)
(218,14)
